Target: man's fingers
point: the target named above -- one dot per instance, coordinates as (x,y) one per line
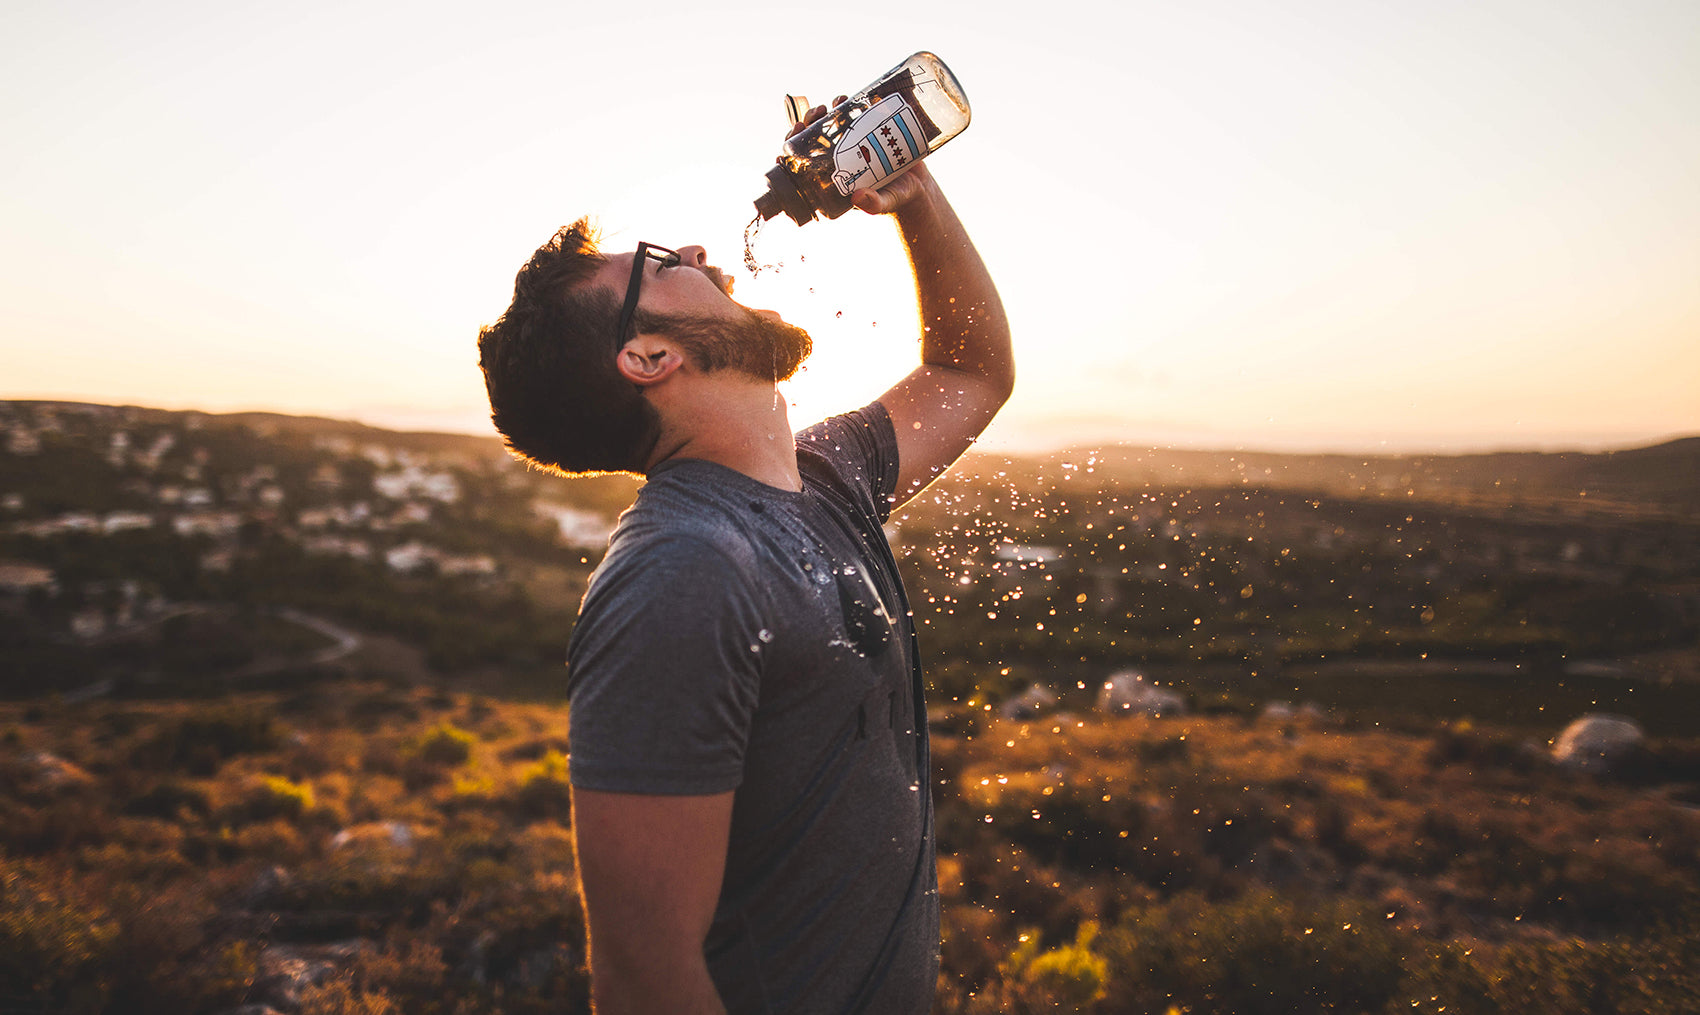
(814,113)
(893,195)
(871,201)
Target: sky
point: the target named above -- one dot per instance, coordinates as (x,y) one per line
(1313,225)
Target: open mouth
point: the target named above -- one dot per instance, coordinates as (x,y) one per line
(719,278)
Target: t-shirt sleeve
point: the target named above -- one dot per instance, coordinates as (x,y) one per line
(664,672)
(861,447)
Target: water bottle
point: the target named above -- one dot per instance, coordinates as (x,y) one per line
(868,140)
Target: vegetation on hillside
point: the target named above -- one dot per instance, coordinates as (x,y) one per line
(414,850)
(241,759)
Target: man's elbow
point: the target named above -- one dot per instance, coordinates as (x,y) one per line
(996,384)
(1004,384)
(639,979)
(1000,367)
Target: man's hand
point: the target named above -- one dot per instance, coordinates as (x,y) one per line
(894,195)
(888,198)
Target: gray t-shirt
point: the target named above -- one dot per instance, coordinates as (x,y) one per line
(738,637)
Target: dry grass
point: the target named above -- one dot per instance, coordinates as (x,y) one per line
(1226,864)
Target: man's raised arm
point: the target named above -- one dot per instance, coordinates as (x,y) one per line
(967,368)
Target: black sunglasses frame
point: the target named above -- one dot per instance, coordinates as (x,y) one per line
(645,251)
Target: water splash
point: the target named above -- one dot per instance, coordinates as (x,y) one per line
(751,233)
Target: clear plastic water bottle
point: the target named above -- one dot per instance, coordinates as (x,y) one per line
(867,140)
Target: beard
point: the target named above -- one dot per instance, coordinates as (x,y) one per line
(757,346)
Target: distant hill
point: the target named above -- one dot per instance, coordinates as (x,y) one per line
(280,423)
(1665,476)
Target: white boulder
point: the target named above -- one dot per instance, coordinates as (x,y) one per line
(394,834)
(48,772)
(1597,742)
(1129,693)
(1029,703)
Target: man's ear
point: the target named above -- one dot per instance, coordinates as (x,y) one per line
(647,361)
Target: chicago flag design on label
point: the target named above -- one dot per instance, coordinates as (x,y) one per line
(882,142)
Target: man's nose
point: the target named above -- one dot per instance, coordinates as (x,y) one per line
(693,257)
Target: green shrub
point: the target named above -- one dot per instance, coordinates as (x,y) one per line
(58,825)
(533,750)
(382,708)
(200,742)
(544,790)
(341,997)
(1650,977)
(169,800)
(166,959)
(1071,977)
(1257,954)
(52,944)
(1163,749)
(276,797)
(1461,744)
(91,943)
(445,744)
(1200,827)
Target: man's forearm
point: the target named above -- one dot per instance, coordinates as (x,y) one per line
(963,323)
(651,988)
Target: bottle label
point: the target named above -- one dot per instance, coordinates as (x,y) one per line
(882,142)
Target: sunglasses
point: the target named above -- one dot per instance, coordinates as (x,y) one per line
(645,251)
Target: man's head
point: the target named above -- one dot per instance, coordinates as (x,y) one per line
(551,363)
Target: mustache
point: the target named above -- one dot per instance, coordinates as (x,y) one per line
(755,345)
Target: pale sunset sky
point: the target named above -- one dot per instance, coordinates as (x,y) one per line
(1313,225)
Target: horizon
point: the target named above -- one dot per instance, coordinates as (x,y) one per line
(406,423)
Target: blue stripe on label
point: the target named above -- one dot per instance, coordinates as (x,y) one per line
(879,149)
(914,149)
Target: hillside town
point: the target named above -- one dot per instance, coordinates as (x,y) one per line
(96,472)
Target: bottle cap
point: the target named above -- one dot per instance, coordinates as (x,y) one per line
(795,107)
(783,196)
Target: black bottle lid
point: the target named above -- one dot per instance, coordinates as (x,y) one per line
(783,196)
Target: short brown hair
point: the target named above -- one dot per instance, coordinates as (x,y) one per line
(556,396)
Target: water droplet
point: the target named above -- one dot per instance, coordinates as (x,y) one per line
(765,635)
(751,231)
(839,314)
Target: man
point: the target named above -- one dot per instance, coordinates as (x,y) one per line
(751,801)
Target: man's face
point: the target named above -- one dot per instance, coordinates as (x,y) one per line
(692,304)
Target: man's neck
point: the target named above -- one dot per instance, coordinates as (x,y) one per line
(743,425)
